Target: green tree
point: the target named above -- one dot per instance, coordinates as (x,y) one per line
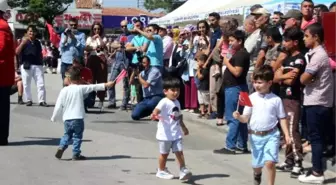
(167,5)
(34,9)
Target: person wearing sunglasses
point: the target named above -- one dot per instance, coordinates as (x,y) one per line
(155,45)
(122,58)
(96,61)
(72,45)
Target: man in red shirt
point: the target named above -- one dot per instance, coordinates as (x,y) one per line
(7,72)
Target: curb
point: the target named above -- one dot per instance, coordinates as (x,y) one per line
(192,118)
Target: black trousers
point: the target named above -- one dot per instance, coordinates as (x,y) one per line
(5,110)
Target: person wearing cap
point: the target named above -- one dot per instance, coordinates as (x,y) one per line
(292,19)
(261,18)
(7,72)
(168,44)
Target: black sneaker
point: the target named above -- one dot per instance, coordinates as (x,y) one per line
(242,150)
(29,103)
(112,106)
(257,179)
(296,172)
(3,142)
(43,104)
(224,151)
(122,108)
(284,167)
(20,101)
(59,153)
(78,158)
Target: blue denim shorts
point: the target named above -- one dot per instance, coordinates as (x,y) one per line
(166,146)
(265,148)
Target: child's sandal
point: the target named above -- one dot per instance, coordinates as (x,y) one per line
(200,115)
(207,116)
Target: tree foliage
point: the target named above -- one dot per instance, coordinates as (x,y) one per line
(34,9)
(167,5)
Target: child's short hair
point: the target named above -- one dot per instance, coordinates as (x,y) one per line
(265,72)
(170,83)
(74,73)
(202,57)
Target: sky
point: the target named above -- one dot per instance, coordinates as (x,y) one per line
(117,3)
(120,3)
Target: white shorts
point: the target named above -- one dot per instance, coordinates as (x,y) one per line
(165,146)
(203,97)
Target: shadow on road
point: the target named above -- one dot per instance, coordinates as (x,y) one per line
(121,121)
(330,181)
(195,178)
(99,112)
(121,157)
(45,141)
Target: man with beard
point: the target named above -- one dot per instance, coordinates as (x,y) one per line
(276,20)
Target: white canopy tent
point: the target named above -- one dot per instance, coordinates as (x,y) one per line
(194,10)
(190,11)
(185,9)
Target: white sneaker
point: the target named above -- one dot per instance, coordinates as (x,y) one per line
(311,179)
(165,174)
(101,106)
(185,174)
(49,70)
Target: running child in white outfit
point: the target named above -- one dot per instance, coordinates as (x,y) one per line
(263,124)
(169,129)
(70,103)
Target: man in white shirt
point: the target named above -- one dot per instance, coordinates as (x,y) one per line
(168,44)
(251,46)
(71,103)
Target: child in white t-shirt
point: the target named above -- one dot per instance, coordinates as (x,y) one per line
(70,103)
(263,124)
(169,129)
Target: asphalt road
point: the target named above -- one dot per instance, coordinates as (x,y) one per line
(119,151)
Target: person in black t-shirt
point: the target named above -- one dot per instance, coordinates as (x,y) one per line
(288,76)
(234,81)
(203,94)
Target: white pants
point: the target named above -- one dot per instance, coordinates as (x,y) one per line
(37,73)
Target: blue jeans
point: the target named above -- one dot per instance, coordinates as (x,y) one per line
(73,129)
(237,135)
(316,118)
(90,99)
(145,107)
(116,68)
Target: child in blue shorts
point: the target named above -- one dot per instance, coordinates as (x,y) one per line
(263,120)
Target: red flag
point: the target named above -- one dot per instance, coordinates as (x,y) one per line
(122,75)
(123,39)
(244,99)
(54,37)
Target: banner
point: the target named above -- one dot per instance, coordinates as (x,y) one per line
(114,21)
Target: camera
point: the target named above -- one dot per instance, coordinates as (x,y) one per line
(68,31)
